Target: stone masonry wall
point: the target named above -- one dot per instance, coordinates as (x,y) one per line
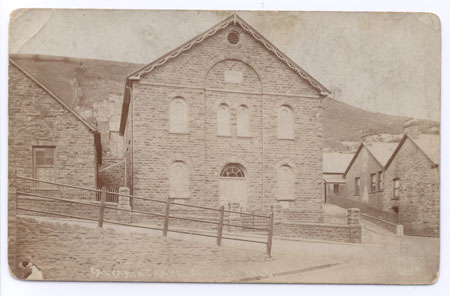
(419,201)
(112,176)
(364,165)
(350,233)
(198,77)
(36,119)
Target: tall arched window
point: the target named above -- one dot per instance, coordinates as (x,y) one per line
(285,122)
(223,120)
(178,116)
(285,183)
(242,121)
(178,180)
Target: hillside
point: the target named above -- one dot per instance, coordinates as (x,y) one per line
(95,88)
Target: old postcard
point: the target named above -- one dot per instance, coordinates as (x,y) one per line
(224,146)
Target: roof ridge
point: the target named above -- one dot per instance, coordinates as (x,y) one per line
(236,20)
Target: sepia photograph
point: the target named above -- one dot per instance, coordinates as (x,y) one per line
(207,146)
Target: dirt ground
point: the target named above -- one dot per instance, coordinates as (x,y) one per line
(69,250)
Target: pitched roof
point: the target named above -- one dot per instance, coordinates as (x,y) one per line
(60,101)
(93,130)
(381,152)
(336,162)
(231,20)
(428,144)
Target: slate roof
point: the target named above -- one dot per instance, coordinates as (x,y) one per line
(381,151)
(428,144)
(336,162)
(92,129)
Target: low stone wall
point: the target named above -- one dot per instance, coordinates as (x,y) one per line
(392,227)
(327,232)
(363,207)
(350,233)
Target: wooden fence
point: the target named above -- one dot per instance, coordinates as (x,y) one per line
(101,197)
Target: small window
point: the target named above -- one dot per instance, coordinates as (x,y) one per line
(373,182)
(380,181)
(285,122)
(233,37)
(44,165)
(242,121)
(396,193)
(178,180)
(178,116)
(223,120)
(357,186)
(233,170)
(285,183)
(336,188)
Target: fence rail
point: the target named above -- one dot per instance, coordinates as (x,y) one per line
(100,197)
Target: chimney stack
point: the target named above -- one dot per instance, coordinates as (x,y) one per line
(412,128)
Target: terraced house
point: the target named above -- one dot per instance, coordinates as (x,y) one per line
(226,119)
(48,140)
(412,186)
(364,179)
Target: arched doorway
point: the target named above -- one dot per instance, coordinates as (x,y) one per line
(233,185)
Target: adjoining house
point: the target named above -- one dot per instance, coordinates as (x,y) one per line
(364,177)
(412,184)
(334,165)
(398,182)
(48,140)
(226,119)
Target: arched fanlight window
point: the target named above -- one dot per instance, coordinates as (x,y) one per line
(285,122)
(285,183)
(178,180)
(242,121)
(223,120)
(233,170)
(178,116)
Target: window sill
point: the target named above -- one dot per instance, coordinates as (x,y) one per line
(288,139)
(224,136)
(244,137)
(179,133)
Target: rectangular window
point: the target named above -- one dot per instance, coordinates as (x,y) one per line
(380,181)
(373,182)
(396,193)
(357,185)
(44,165)
(335,188)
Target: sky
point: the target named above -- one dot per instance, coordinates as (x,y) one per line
(380,62)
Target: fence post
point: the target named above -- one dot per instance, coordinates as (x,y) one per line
(253,218)
(102,207)
(166,217)
(219,231)
(229,214)
(269,235)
